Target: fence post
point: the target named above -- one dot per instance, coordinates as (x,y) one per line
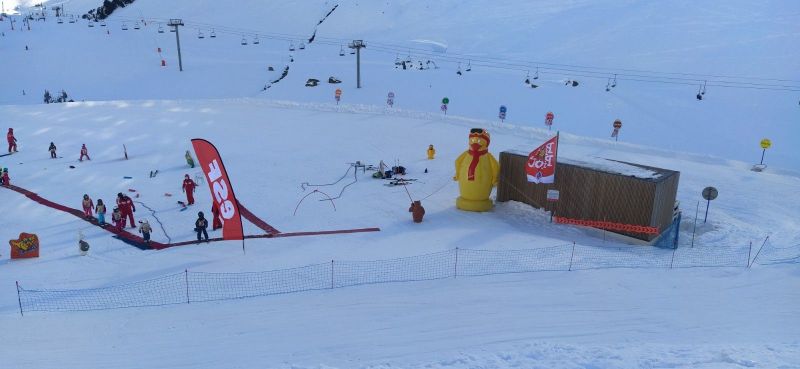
(749,251)
(759,251)
(673,257)
(696,211)
(331,274)
(455,266)
(19,300)
(571,256)
(186,280)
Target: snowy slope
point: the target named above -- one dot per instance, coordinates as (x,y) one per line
(738,39)
(274,141)
(298,143)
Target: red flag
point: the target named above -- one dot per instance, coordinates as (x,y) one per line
(541,167)
(221,189)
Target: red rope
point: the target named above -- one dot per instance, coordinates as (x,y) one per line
(608,225)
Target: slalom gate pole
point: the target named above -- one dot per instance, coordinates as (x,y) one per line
(749,251)
(331,274)
(19,300)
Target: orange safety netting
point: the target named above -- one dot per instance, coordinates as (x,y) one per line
(608,225)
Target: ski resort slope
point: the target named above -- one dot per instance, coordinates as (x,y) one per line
(280,144)
(578,40)
(609,318)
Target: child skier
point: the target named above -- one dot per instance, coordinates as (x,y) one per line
(88,204)
(12,141)
(4,180)
(200,226)
(145,229)
(431,152)
(84,152)
(100,209)
(52,150)
(116,218)
(188,187)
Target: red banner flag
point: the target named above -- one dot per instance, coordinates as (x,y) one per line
(541,167)
(221,188)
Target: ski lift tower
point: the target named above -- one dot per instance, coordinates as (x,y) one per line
(175,23)
(357,45)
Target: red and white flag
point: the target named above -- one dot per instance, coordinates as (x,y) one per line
(221,189)
(541,166)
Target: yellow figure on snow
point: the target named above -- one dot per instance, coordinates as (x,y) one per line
(431,152)
(477,172)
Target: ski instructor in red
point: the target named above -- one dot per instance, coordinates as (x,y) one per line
(126,207)
(188,187)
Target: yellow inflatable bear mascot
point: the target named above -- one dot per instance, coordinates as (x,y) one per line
(476,172)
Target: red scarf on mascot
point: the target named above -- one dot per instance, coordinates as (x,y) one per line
(476,156)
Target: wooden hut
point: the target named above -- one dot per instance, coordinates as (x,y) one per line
(596,190)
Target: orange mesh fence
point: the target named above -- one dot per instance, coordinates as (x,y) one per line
(608,225)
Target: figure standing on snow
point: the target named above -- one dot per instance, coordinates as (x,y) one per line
(200,226)
(12,141)
(4,180)
(116,218)
(189,159)
(417,211)
(145,230)
(431,152)
(188,187)
(100,209)
(52,150)
(88,205)
(84,152)
(216,223)
(126,208)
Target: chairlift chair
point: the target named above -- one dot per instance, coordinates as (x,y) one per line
(91,24)
(124,26)
(244,41)
(136,25)
(255,40)
(200,34)
(469,66)
(213,34)
(160,29)
(60,21)
(341,51)
(103,24)
(302,46)
(291,46)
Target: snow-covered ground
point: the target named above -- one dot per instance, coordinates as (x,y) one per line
(274,141)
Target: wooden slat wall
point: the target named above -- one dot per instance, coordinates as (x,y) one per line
(590,194)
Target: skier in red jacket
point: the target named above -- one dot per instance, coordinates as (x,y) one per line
(88,205)
(84,152)
(188,187)
(126,207)
(12,141)
(5,180)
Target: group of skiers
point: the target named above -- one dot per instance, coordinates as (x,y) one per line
(12,147)
(122,214)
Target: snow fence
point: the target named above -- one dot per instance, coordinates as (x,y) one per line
(190,287)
